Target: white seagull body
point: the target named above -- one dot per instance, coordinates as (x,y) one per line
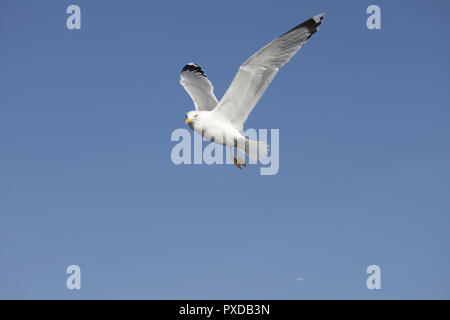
(222,122)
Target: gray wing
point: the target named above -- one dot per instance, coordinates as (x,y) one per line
(255,75)
(197,85)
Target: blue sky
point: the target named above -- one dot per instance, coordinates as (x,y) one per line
(86,176)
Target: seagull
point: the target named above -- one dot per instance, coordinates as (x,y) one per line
(222,122)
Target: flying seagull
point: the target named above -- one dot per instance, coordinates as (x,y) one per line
(222,122)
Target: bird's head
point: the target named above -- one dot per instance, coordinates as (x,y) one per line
(191,116)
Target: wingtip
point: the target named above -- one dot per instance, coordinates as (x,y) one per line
(311,25)
(191,66)
(319,17)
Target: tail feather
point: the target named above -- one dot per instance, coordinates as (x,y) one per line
(254,149)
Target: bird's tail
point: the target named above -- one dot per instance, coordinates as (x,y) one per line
(254,149)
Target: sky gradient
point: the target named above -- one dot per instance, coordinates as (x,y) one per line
(86,176)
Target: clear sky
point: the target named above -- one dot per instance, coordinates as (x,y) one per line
(86,176)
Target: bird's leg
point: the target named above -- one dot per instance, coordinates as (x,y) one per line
(242,161)
(234,159)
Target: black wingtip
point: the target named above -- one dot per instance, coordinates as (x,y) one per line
(310,24)
(194,68)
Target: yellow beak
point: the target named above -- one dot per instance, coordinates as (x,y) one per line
(188,120)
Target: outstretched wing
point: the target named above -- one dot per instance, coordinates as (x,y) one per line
(255,75)
(197,85)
